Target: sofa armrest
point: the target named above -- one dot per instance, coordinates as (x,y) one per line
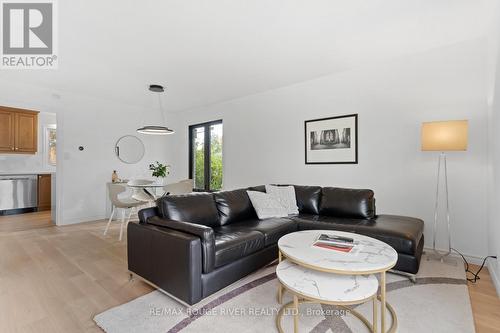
(169,259)
(206,235)
(145,214)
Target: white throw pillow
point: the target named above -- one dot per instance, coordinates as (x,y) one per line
(285,195)
(266,206)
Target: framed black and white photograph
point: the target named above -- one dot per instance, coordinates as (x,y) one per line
(332,140)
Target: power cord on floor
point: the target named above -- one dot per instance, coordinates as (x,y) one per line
(467,270)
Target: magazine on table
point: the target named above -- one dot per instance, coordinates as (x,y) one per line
(337,243)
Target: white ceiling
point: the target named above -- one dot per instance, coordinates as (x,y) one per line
(209,51)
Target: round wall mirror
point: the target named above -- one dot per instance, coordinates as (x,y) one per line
(129,149)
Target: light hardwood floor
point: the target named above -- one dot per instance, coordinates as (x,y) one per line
(55,279)
(485,303)
(27,221)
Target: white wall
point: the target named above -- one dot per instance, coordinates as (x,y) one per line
(494,155)
(264,135)
(18,163)
(96,125)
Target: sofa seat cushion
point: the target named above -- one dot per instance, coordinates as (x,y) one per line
(272,229)
(231,245)
(401,232)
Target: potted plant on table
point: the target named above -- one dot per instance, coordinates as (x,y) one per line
(160,171)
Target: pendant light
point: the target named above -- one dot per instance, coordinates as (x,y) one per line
(156,129)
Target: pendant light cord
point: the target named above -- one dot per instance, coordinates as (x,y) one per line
(161,110)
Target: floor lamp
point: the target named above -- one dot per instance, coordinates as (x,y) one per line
(443,136)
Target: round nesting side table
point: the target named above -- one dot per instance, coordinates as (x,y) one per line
(374,257)
(310,286)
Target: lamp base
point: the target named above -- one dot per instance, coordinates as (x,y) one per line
(443,258)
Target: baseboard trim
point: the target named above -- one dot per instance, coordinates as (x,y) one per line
(471,259)
(82,220)
(492,268)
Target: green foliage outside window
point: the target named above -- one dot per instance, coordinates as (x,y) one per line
(215,163)
(199,174)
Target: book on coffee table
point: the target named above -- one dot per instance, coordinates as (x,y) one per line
(337,243)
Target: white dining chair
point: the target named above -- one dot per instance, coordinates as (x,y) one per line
(130,204)
(182,187)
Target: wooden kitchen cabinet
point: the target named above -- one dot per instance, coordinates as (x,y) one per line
(44,192)
(7,120)
(26,132)
(18,131)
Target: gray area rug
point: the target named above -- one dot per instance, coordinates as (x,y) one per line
(438,302)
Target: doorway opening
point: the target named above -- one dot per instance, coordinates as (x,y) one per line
(28,155)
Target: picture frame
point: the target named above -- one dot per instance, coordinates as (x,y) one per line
(332,140)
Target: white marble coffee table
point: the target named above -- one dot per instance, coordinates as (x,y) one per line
(308,285)
(374,257)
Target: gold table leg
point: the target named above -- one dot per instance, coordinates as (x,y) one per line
(382,301)
(280,294)
(294,307)
(280,287)
(296,314)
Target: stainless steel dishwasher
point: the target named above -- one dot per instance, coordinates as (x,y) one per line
(18,191)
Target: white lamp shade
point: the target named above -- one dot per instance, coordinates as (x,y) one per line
(444,135)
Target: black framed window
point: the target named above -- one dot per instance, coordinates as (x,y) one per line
(205,155)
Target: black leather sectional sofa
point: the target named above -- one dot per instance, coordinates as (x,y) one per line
(193,245)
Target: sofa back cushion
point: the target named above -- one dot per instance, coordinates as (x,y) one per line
(234,206)
(344,202)
(194,207)
(260,188)
(308,199)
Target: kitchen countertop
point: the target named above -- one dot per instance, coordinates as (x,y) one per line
(27,173)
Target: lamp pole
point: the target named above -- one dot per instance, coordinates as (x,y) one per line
(437,254)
